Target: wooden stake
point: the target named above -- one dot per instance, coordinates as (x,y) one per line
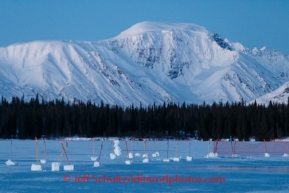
(235,146)
(112,144)
(92,147)
(232,147)
(98,159)
(65,153)
(36,150)
(177,148)
(130,146)
(126,149)
(60,156)
(265,145)
(189,147)
(145,147)
(216,146)
(44,148)
(168,149)
(285,149)
(208,147)
(11,149)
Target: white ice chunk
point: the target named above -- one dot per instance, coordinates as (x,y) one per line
(55,166)
(68,167)
(189,158)
(112,156)
(36,167)
(10,163)
(130,155)
(145,155)
(43,161)
(137,154)
(128,162)
(117,151)
(176,159)
(166,160)
(211,155)
(116,143)
(93,158)
(96,164)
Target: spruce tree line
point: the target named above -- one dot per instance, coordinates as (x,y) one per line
(218,120)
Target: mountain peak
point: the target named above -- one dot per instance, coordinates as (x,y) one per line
(150,62)
(148,26)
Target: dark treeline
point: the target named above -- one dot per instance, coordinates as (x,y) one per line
(219,120)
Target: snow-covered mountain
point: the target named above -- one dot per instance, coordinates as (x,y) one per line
(150,62)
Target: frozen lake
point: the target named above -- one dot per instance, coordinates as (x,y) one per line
(254,173)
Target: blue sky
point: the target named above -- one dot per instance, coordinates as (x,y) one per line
(252,23)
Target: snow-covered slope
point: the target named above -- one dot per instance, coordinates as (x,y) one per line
(280,95)
(150,62)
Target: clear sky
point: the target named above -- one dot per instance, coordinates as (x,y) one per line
(253,23)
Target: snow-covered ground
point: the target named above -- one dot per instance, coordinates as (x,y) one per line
(254,173)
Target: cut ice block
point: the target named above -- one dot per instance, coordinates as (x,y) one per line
(96,164)
(112,156)
(211,154)
(43,161)
(93,158)
(10,163)
(137,154)
(68,167)
(55,166)
(130,155)
(117,151)
(145,155)
(116,143)
(128,162)
(176,159)
(36,167)
(189,158)
(166,160)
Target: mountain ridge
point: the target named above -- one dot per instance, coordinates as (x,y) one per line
(151,62)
